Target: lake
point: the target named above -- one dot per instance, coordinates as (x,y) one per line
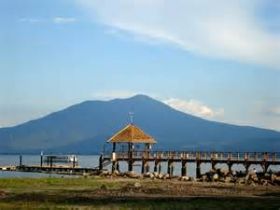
(91,161)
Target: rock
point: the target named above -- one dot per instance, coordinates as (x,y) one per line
(137,185)
(132,174)
(224,171)
(254,178)
(147,175)
(241,181)
(215,177)
(228,179)
(116,173)
(204,178)
(160,176)
(166,176)
(105,173)
(184,178)
(156,174)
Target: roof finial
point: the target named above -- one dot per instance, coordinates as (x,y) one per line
(131,117)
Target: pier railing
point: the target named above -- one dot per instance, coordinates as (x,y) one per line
(204,156)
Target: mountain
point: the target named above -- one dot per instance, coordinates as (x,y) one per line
(85,127)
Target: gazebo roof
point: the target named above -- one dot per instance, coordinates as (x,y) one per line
(131,134)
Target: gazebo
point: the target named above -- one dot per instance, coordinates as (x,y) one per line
(130,135)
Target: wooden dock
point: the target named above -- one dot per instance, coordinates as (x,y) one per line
(69,170)
(264,159)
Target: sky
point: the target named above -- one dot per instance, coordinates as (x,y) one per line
(219,60)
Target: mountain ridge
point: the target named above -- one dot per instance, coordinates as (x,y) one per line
(85,127)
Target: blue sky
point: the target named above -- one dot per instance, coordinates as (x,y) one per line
(218,60)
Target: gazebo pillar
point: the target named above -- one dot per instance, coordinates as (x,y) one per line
(130,157)
(114,158)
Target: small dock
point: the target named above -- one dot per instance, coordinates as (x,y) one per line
(58,164)
(58,170)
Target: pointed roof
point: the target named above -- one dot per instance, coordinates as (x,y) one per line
(131,134)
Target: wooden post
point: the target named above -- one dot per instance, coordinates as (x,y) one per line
(155,166)
(169,167)
(118,166)
(114,166)
(230,167)
(130,157)
(51,161)
(147,167)
(213,163)
(184,168)
(265,166)
(159,168)
(143,166)
(20,160)
(41,159)
(114,162)
(198,172)
(247,165)
(114,146)
(101,162)
(74,161)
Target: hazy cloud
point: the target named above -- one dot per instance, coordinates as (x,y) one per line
(30,20)
(275,111)
(55,20)
(113,94)
(64,20)
(223,29)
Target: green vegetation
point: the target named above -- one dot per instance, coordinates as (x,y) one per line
(106,193)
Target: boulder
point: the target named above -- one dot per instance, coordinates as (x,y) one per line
(184,178)
(132,174)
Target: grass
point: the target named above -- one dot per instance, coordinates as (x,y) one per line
(105,193)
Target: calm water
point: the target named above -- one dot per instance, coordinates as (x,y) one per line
(93,161)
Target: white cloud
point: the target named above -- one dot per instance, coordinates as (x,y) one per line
(217,28)
(194,107)
(64,20)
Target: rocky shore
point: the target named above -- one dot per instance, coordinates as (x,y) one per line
(214,175)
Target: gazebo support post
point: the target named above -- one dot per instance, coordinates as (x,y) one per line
(130,157)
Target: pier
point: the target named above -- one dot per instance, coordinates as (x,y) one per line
(132,135)
(156,158)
